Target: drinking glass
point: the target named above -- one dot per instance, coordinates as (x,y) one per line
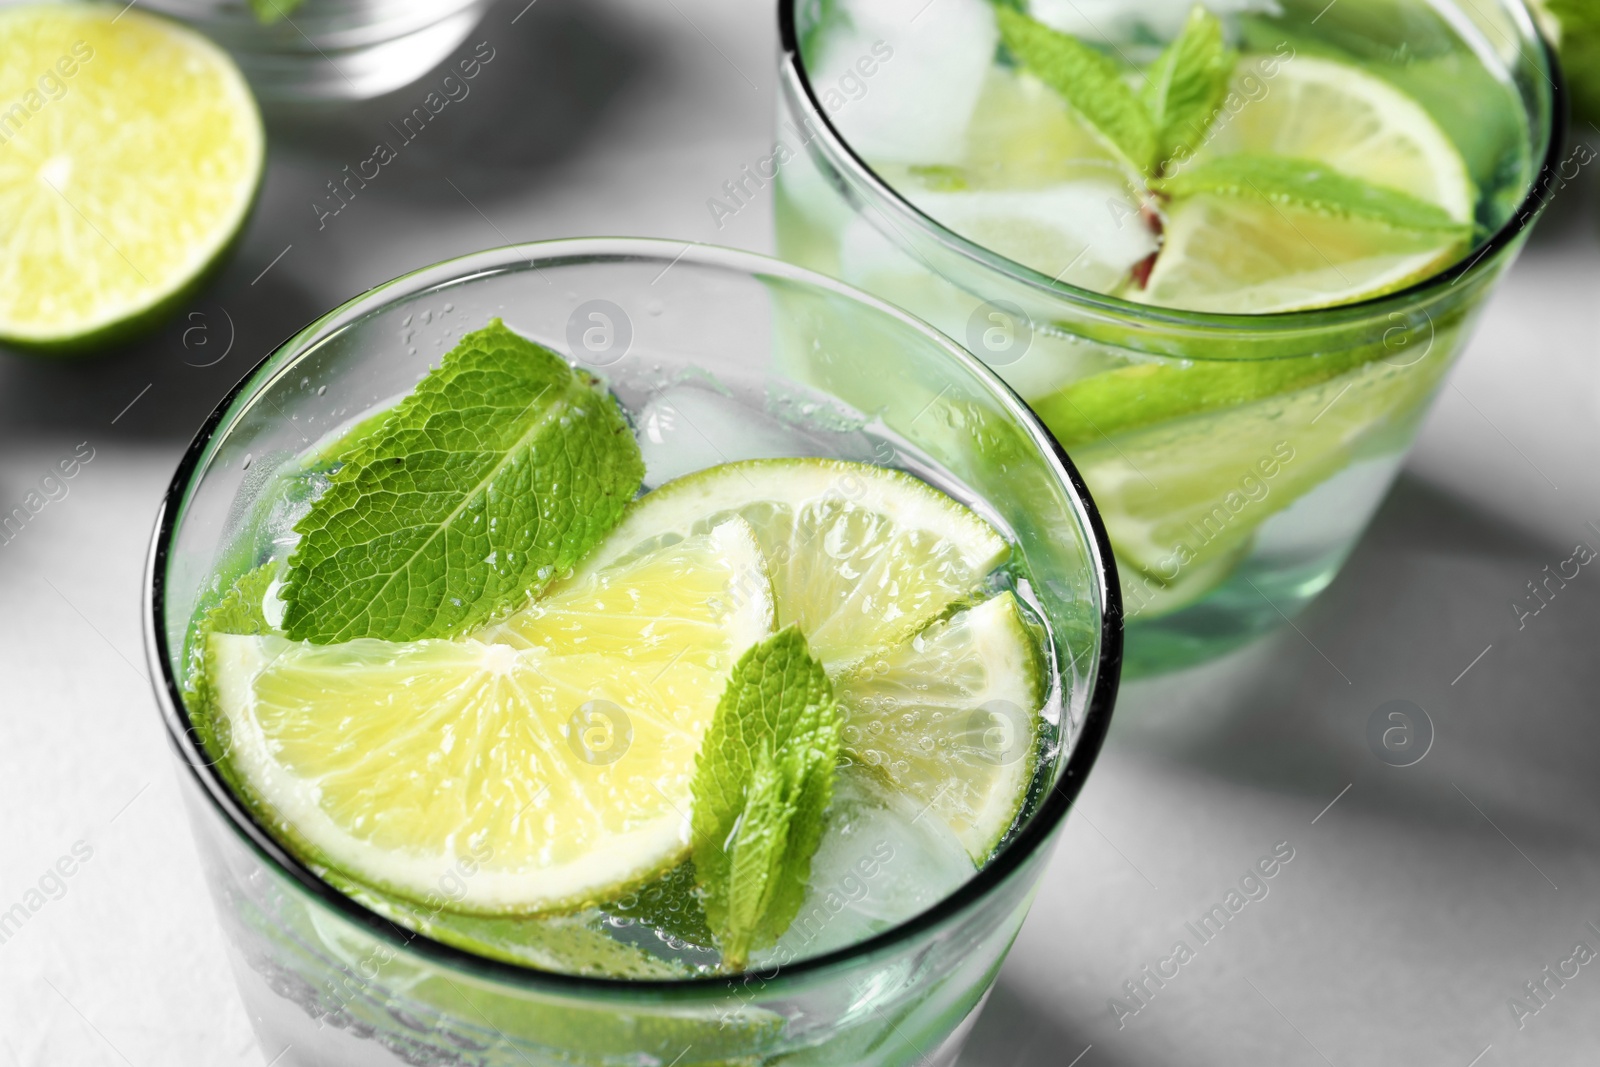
(1232,512)
(716,355)
(332,49)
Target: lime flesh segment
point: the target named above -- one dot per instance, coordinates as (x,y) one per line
(122,185)
(560,778)
(951,718)
(860,557)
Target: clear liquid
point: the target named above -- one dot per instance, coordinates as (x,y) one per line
(1173,428)
(937,107)
(882,859)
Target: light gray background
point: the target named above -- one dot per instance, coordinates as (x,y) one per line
(1415,905)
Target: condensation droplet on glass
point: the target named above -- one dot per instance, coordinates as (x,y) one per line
(427,317)
(406,321)
(322,390)
(449,308)
(246,464)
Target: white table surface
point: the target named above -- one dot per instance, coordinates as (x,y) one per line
(1414,907)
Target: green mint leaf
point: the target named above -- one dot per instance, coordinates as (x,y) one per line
(270,11)
(1305,184)
(1578,26)
(762,783)
(1184,88)
(1088,81)
(496,475)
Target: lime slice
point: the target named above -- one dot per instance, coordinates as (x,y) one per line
(1243,256)
(130,153)
(1182,500)
(951,717)
(860,557)
(1338,114)
(528,778)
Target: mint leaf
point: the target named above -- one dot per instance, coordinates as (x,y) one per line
(1579,24)
(1303,183)
(1183,89)
(1088,81)
(762,782)
(270,11)
(497,474)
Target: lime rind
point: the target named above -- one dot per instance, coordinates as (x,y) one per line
(860,557)
(952,718)
(399,763)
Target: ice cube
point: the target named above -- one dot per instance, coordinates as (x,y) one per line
(690,427)
(1087,233)
(882,861)
(928,60)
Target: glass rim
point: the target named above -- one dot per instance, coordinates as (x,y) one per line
(460,270)
(1376,307)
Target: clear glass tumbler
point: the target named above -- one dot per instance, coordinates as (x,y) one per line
(717,355)
(331,49)
(1235,508)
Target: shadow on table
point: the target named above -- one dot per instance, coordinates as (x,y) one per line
(1014,1032)
(161,387)
(1423,612)
(541,92)
(553,75)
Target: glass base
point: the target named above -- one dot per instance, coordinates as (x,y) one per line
(1255,601)
(348,50)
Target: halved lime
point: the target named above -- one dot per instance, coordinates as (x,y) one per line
(1235,255)
(951,718)
(130,153)
(527,778)
(860,557)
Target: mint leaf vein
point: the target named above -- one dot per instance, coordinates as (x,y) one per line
(762,784)
(497,474)
(1307,184)
(1089,82)
(1184,88)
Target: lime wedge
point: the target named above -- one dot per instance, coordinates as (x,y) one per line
(1230,255)
(951,718)
(1338,114)
(1246,257)
(531,778)
(860,557)
(130,153)
(1182,499)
